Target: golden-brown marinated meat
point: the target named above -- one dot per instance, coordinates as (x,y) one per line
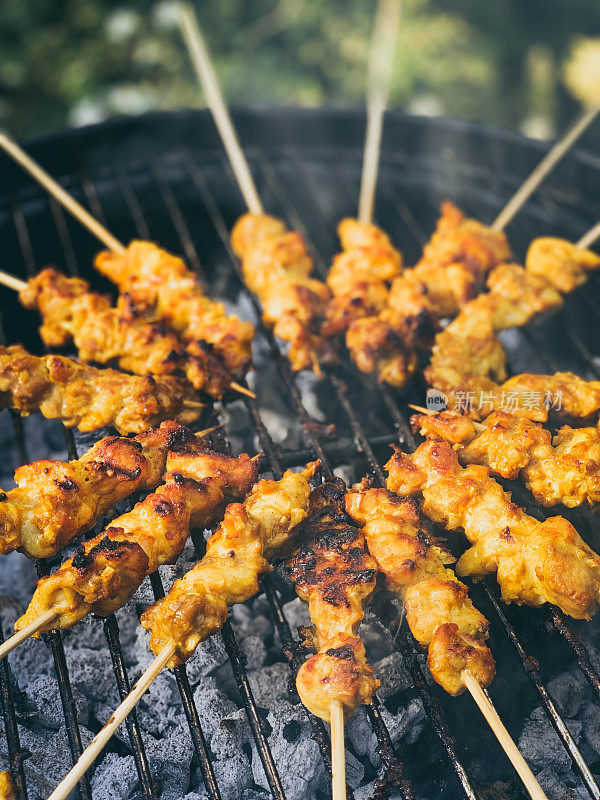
(467,356)
(236,555)
(277,269)
(377,347)
(439,611)
(55,502)
(101,333)
(564,470)
(454,265)
(7,788)
(109,568)
(535,562)
(90,398)
(360,275)
(336,576)
(160,283)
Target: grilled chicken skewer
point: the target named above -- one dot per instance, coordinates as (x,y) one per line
(535,562)
(467,356)
(159,287)
(196,606)
(55,502)
(439,612)
(103,333)
(561,469)
(334,573)
(109,568)
(90,398)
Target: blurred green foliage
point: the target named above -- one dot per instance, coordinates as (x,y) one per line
(65,62)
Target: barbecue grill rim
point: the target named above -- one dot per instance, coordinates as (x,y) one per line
(273,129)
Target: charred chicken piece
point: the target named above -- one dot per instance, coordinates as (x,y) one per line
(439,611)
(89,398)
(110,567)
(277,269)
(564,469)
(334,573)
(237,554)
(535,562)
(55,502)
(159,283)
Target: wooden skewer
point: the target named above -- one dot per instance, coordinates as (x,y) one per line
(214,99)
(338,752)
(381,65)
(486,707)
(11,282)
(545,166)
(95,747)
(56,190)
(242,389)
(590,237)
(29,630)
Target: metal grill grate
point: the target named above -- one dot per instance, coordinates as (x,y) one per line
(183,195)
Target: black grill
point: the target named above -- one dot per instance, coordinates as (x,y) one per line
(165,177)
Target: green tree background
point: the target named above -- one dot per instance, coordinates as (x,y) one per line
(70,62)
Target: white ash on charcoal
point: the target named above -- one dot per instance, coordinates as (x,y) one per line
(115,777)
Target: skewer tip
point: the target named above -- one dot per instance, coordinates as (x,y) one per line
(237,387)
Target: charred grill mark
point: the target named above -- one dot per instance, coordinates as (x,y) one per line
(344,652)
(3,496)
(163,508)
(67,484)
(107,547)
(178,439)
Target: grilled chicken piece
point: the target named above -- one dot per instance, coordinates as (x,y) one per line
(336,576)
(90,398)
(535,562)
(108,569)
(453,267)
(7,788)
(237,554)
(467,356)
(277,269)
(564,470)
(70,311)
(158,282)
(439,611)
(360,275)
(55,502)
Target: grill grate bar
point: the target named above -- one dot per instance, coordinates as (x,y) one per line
(16,753)
(531,667)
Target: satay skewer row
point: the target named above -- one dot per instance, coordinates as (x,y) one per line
(438,610)
(333,572)
(275,261)
(534,562)
(196,606)
(108,568)
(55,502)
(156,287)
(88,398)
(561,469)
(467,355)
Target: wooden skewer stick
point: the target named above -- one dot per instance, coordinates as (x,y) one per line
(56,190)
(95,747)
(381,64)
(590,237)
(545,166)
(242,389)
(11,282)
(214,99)
(338,752)
(486,707)
(29,630)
